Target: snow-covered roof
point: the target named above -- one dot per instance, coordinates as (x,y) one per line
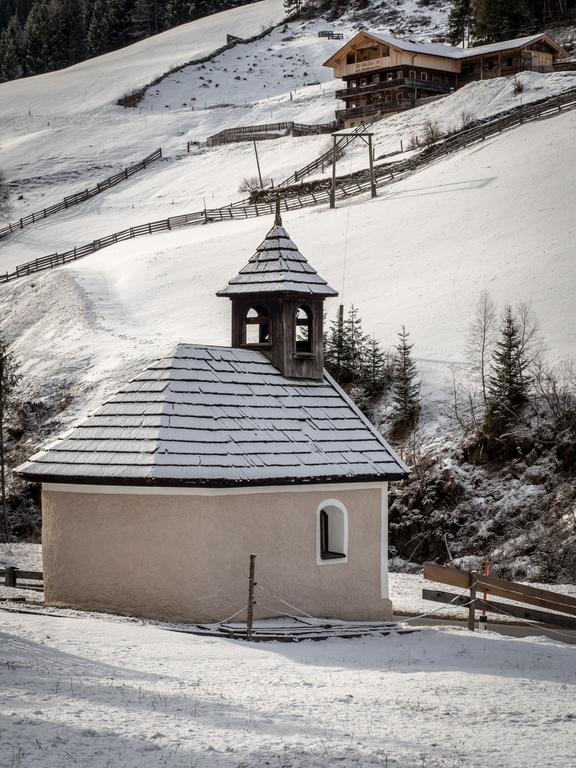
(448,51)
(278,267)
(217,416)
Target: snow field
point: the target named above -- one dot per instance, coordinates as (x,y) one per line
(98,692)
(420,254)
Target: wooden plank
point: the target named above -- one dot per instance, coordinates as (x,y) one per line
(38,575)
(444,575)
(503,609)
(510,590)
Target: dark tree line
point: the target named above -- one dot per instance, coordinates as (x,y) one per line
(493,20)
(38,36)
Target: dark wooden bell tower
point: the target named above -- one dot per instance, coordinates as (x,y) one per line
(277,306)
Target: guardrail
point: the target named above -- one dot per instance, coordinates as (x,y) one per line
(81,197)
(347,186)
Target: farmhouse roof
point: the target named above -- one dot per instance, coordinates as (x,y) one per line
(448,51)
(218,416)
(277,267)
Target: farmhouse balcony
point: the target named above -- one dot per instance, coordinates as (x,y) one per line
(382,107)
(409,82)
(363,66)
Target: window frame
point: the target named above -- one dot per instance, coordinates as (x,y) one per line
(263,318)
(307,323)
(343,558)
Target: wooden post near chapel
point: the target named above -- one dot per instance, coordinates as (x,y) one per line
(250,609)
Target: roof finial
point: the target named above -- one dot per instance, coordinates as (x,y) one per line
(278,218)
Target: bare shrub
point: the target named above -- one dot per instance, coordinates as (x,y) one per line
(517,86)
(252,183)
(466,119)
(556,385)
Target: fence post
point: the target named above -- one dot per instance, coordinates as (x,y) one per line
(472,605)
(10,576)
(250,610)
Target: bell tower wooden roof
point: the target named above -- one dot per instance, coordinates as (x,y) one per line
(278,267)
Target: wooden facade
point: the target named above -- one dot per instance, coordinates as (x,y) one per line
(385,74)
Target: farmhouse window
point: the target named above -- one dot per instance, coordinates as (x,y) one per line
(413,74)
(390,76)
(351,58)
(423,75)
(509,61)
(257,327)
(303,330)
(332,531)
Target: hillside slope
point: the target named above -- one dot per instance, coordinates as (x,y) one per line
(493,217)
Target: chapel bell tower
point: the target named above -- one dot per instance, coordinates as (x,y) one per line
(277,306)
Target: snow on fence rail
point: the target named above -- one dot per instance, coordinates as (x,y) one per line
(81,197)
(349,186)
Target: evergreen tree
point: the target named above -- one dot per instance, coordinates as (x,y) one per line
(461,22)
(9,379)
(508,381)
(406,402)
(293,7)
(376,374)
(345,348)
(36,38)
(176,12)
(11,52)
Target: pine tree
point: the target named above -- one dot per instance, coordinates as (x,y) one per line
(406,402)
(508,381)
(176,12)
(376,370)
(461,22)
(36,38)
(11,52)
(9,380)
(345,347)
(293,7)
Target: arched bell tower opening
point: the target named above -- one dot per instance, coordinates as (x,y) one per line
(304,329)
(278,306)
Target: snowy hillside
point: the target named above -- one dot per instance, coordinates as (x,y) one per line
(418,255)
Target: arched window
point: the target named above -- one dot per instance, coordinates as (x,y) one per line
(332,532)
(256,326)
(303,329)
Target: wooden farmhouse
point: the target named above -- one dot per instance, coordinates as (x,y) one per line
(384,74)
(153,505)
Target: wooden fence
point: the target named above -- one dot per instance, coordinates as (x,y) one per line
(347,186)
(252,132)
(559,610)
(13,575)
(331,35)
(81,197)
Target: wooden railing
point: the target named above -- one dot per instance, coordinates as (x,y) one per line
(347,186)
(559,610)
(250,132)
(13,575)
(81,197)
(384,85)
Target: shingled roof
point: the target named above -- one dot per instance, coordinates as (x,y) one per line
(278,267)
(217,416)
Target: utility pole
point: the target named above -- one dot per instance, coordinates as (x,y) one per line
(258,165)
(250,611)
(371,153)
(333,187)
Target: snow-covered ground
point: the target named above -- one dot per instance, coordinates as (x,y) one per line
(103,693)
